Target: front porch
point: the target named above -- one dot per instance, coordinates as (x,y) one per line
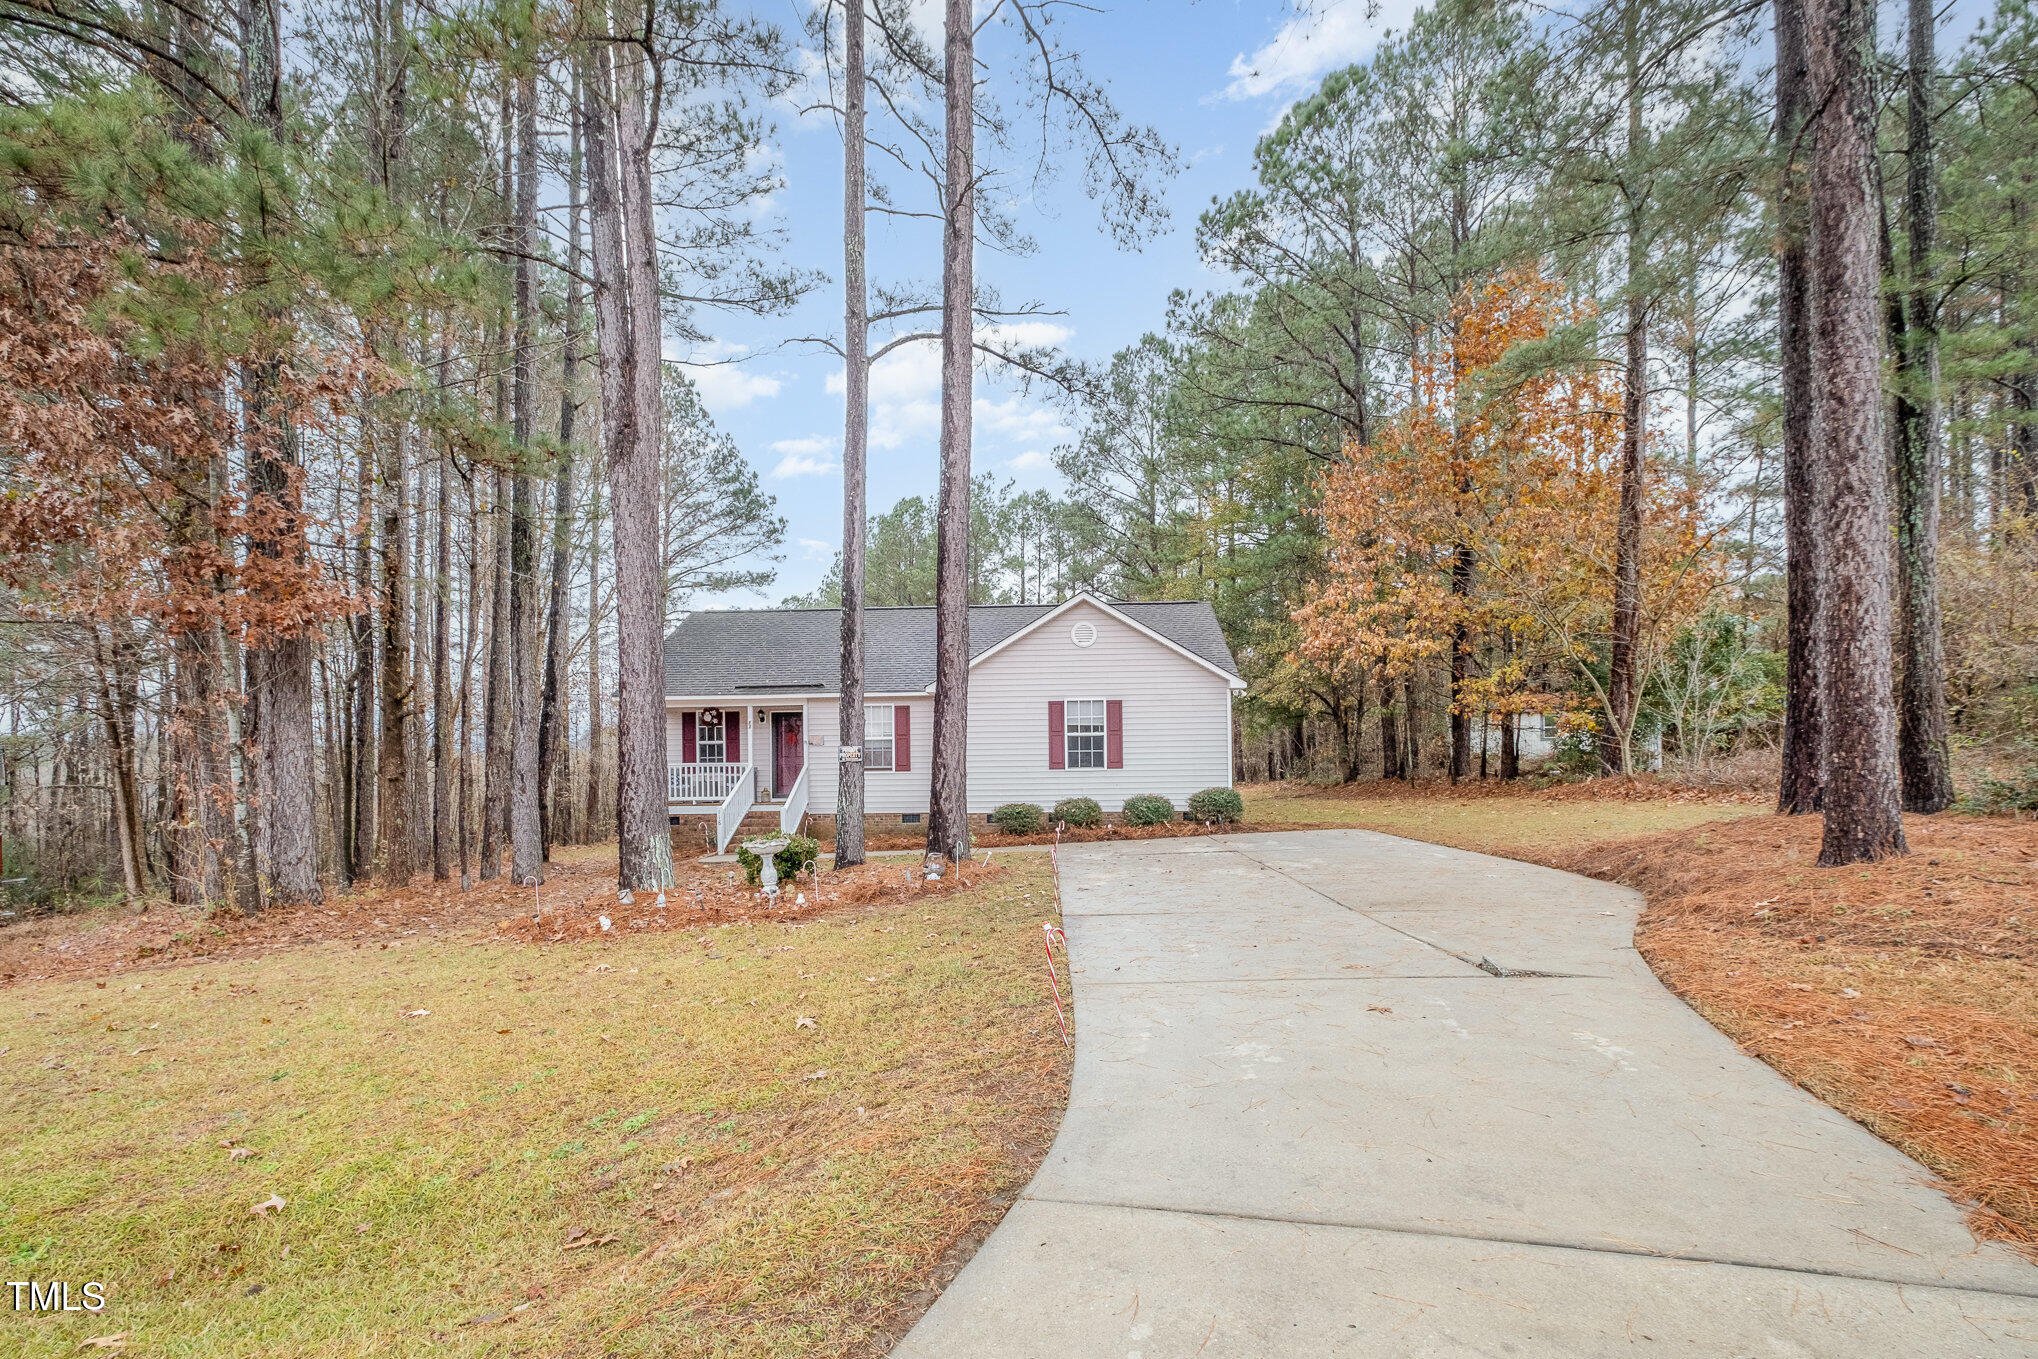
(708,776)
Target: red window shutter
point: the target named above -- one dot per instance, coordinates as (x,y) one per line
(1114,733)
(686,746)
(1057,749)
(902,737)
(732,735)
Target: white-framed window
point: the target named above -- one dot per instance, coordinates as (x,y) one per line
(1083,733)
(877,736)
(711,742)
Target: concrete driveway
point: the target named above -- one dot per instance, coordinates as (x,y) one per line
(1306,1121)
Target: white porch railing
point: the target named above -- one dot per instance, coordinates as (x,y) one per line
(703,782)
(795,809)
(735,807)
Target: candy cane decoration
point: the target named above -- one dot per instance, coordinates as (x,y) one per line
(1053,936)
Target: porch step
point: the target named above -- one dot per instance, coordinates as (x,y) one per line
(760,820)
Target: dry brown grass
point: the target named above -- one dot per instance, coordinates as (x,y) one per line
(1904,993)
(619,1143)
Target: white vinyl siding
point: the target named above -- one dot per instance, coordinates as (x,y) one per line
(884,790)
(1177,736)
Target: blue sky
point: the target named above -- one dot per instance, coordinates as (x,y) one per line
(1212,76)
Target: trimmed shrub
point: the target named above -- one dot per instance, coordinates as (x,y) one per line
(1148,809)
(1078,811)
(799,851)
(1019,818)
(1217,804)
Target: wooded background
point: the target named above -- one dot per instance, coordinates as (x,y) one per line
(348,497)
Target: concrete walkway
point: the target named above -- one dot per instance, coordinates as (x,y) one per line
(1306,1122)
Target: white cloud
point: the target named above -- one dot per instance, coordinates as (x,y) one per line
(812,445)
(1320,37)
(1020,420)
(905,394)
(802,465)
(1032,333)
(724,383)
(896,424)
(1032,460)
(816,550)
(905,397)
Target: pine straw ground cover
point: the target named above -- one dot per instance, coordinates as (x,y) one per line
(737,1135)
(1904,993)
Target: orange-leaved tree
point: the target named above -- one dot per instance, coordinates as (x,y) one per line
(1482,516)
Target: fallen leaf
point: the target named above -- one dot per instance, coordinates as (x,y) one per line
(820,1075)
(238,1153)
(1381,1009)
(804,1022)
(263,1208)
(116,1341)
(413,1014)
(1919,1042)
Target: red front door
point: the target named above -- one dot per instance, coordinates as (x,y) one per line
(789,751)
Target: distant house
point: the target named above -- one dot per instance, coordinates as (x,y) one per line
(1086,698)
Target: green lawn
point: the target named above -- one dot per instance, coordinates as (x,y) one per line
(756,1186)
(1520,823)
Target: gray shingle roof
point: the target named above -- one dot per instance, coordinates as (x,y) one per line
(797,651)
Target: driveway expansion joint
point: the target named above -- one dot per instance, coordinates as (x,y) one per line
(1539,1243)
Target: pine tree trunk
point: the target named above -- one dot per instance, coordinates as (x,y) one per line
(628,332)
(1804,590)
(443,810)
(498,712)
(644,838)
(595,743)
(285,711)
(855,435)
(1923,755)
(119,728)
(393,763)
(1411,731)
(552,723)
(527,847)
(1461,668)
(361,832)
(1390,721)
(470,631)
(948,819)
(1863,802)
(1623,688)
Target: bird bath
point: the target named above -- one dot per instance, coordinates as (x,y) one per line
(766,851)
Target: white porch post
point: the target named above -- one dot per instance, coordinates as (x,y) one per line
(750,746)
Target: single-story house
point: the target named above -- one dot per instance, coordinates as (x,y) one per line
(1090,697)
